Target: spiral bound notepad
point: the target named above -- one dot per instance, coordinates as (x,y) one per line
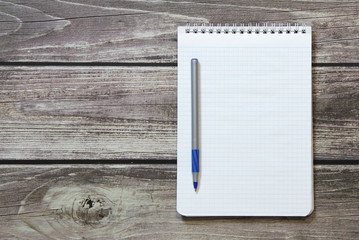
(255,121)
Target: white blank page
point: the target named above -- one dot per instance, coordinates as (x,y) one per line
(255,109)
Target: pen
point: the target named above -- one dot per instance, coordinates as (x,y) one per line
(195,145)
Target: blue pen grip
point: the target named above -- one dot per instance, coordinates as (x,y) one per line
(195,160)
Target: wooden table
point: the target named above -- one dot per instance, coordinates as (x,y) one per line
(88,119)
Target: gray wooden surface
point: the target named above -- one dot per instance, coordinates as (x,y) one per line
(96,80)
(66,113)
(139,202)
(145,31)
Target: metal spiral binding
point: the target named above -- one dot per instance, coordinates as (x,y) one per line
(246,29)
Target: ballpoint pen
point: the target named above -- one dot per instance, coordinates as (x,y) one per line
(195,137)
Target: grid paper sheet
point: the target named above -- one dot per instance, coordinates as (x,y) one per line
(255,117)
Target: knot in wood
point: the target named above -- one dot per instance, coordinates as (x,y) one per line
(92,210)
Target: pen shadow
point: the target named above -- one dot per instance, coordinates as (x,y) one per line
(199,116)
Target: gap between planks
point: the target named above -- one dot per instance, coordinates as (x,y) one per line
(135,64)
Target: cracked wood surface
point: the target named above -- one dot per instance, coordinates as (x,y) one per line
(139,202)
(121,113)
(145,31)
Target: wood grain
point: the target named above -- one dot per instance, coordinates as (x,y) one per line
(124,113)
(336,113)
(145,31)
(88,113)
(139,202)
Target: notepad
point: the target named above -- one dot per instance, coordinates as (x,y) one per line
(255,121)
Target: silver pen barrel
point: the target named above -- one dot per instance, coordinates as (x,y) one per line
(194,88)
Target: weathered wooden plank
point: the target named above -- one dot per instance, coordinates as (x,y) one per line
(130,113)
(145,31)
(336,113)
(88,113)
(139,202)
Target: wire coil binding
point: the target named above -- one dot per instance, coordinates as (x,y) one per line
(247,29)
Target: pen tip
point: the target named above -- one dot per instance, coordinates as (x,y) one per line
(195,185)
